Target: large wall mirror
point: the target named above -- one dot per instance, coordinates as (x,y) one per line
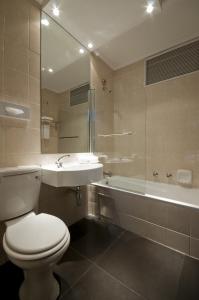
(65,76)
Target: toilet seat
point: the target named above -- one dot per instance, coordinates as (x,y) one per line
(35,237)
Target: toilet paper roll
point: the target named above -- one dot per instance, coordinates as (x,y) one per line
(46,131)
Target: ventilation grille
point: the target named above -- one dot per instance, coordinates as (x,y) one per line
(79,95)
(174,63)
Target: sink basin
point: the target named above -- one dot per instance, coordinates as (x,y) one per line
(72,174)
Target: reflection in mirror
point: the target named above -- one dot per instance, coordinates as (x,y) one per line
(65,76)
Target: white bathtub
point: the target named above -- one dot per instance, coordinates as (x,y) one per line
(162,191)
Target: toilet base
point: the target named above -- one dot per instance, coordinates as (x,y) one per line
(39,284)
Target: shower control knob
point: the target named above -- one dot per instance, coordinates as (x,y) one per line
(168,175)
(155,173)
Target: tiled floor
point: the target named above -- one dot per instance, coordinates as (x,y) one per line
(104,263)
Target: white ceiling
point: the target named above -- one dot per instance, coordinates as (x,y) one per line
(121,30)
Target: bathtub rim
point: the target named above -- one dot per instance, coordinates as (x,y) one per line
(158,198)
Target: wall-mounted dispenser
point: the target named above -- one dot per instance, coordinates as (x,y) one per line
(12,110)
(45,129)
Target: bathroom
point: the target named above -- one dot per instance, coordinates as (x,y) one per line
(99,149)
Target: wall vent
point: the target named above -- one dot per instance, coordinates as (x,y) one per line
(173,63)
(79,95)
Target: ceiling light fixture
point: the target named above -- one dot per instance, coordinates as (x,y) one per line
(81,51)
(150,7)
(45,22)
(56,11)
(50,70)
(90,45)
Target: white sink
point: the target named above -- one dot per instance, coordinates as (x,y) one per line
(72,174)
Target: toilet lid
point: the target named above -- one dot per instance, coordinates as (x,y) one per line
(36,234)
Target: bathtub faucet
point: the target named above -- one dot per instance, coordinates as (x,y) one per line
(169,175)
(108,173)
(155,173)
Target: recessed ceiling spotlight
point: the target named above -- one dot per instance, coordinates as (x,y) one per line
(56,11)
(90,45)
(45,22)
(50,70)
(150,7)
(81,51)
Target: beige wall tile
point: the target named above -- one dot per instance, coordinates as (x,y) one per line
(19,159)
(17,24)
(171,118)
(20,7)
(15,57)
(16,86)
(22,140)
(34,116)
(34,64)
(34,29)
(163,116)
(104,103)
(34,91)
(129,115)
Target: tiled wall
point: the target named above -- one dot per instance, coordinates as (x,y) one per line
(175,226)
(164,120)
(130,116)
(20,77)
(104,103)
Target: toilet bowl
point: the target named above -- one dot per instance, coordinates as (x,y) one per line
(33,242)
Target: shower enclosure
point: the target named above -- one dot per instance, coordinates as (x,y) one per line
(147,117)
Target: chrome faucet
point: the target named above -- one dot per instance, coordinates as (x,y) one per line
(58,161)
(108,173)
(169,175)
(155,173)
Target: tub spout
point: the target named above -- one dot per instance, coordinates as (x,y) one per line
(108,173)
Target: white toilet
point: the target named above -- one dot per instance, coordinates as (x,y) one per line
(32,242)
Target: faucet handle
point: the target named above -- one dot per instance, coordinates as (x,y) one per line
(155,173)
(168,175)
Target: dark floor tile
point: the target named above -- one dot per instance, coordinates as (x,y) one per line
(148,268)
(188,287)
(70,269)
(97,285)
(11,278)
(91,238)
